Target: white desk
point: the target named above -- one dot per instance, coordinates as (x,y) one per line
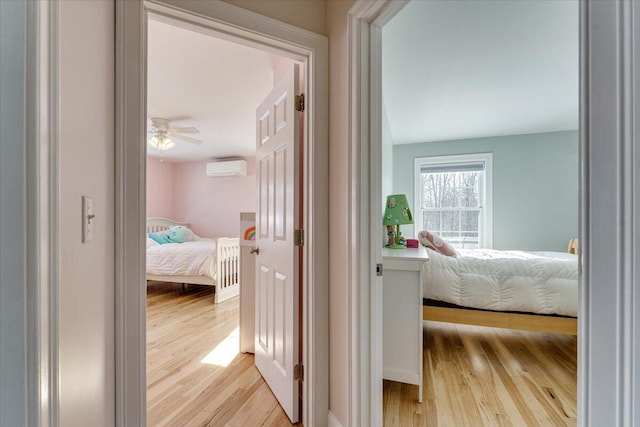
(402,315)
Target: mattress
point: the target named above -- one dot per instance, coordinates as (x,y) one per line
(532,282)
(183,259)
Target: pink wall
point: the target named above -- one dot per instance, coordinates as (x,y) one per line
(183,191)
(160,188)
(212,205)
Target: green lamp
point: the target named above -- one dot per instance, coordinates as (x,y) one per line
(396,213)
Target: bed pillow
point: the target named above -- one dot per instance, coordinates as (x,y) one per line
(151,242)
(160,239)
(436,243)
(174,234)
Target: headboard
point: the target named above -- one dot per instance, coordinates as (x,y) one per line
(157,224)
(573,246)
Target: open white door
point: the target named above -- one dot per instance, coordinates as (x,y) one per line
(277,263)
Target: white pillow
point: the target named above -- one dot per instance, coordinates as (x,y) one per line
(151,242)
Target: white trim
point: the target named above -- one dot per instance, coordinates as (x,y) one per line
(486,184)
(42,213)
(366,19)
(130,215)
(332,421)
(226,21)
(609,323)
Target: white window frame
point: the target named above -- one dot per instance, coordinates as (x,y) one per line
(485,221)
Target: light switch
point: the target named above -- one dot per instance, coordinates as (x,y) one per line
(87,219)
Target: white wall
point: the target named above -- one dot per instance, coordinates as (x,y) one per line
(86,156)
(12,215)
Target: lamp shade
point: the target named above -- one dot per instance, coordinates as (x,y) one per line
(397,210)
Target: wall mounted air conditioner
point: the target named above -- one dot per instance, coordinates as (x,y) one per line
(227,168)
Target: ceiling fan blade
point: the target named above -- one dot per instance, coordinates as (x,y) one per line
(175,131)
(186,139)
(160,124)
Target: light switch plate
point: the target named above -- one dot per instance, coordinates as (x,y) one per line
(87,219)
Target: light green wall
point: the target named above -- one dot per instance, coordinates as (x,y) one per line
(535,185)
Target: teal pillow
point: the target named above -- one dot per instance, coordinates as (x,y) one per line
(160,238)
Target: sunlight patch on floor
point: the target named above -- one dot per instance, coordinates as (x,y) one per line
(225,352)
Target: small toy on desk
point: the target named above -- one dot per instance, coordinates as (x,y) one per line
(413,243)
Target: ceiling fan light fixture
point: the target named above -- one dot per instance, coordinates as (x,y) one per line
(161,143)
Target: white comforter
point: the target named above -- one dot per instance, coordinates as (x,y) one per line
(536,282)
(183,259)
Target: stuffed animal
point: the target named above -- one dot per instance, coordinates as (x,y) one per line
(177,234)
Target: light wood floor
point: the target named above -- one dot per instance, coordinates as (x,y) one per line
(475,376)
(182,328)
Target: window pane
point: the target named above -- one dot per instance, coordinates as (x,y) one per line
(450,236)
(450,221)
(469,220)
(469,240)
(449,189)
(469,197)
(431,220)
(450,204)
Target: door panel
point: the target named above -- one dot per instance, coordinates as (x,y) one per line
(277,264)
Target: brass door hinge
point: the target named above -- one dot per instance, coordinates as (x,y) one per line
(298,237)
(300,102)
(298,372)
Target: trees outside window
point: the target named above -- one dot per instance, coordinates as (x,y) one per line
(452,198)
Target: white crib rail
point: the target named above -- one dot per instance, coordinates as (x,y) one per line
(227,268)
(158,224)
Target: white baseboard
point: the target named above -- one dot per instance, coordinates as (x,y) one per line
(332,421)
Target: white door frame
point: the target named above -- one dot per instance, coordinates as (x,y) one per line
(234,23)
(609,328)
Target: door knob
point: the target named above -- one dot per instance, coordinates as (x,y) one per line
(255,250)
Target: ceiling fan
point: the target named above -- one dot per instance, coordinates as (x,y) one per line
(163,136)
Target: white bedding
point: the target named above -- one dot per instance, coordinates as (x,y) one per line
(183,259)
(535,282)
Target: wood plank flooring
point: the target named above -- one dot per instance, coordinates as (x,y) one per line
(475,376)
(184,326)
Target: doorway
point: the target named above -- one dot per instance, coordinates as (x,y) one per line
(366,22)
(307,48)
(481,126)
(202,95)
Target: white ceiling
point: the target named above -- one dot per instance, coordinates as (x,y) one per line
(195,79)
(466,69)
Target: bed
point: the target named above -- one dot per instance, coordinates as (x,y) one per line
(535,291)
(212,262)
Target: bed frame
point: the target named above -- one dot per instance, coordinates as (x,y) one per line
(522,321)
(226,282)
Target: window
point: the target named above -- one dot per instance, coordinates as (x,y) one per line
(453,198)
